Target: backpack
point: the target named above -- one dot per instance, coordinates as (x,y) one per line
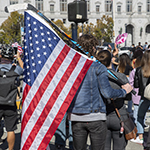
(8,86)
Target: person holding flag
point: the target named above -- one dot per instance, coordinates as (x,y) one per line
(87,110)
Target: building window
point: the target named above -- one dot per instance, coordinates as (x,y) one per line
(97,8)
(129,5)
(108,5)
(148,29)
(64,21)
(13,2)
(139,9)
(52,8)
(39,4)
(63,5)
(88,5)
(119,9)
(148,5)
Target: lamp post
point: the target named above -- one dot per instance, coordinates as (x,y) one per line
(21,27)
(125,32)
(113,17)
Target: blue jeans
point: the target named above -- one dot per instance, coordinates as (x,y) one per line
(96,131)
(143,107)
(135,113)
(60,134)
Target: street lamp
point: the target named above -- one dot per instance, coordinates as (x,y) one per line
(125,32)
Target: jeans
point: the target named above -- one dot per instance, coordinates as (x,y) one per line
(96,131)
(113,133)
(60,134)
(143,107)
(135,113)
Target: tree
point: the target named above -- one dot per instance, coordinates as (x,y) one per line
(60,24)
(10,29)
(87,29)
(104,29)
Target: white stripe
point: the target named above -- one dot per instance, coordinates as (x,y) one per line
(47,94)
(52,114)
(42,75)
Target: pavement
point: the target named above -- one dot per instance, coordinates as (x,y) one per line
(130,145)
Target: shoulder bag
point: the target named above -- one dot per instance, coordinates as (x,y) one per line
(127,126)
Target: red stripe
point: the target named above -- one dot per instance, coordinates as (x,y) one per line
(64,107)
(51,102)
(25,92)
(43,87)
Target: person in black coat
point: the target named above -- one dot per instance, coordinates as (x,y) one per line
(141,79)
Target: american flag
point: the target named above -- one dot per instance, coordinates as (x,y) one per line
(52,74)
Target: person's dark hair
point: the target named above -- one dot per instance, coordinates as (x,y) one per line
(137,53)
(145,63)
(88,42)
(104,57)
(124,60)
(138,62)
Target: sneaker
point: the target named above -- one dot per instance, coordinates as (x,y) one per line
(137,140)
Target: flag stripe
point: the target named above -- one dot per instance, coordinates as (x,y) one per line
(52,99)
(42,87)
(26,89)
(54,111)
(64,107)
(29,96)
(44,99)
(52,74)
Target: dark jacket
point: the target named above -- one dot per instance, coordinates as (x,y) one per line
(119,102)
(140,81)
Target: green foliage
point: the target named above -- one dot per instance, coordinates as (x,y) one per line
(87,29)
(10,29)
(104,29)
(60,24)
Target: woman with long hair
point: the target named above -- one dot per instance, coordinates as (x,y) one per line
(113,123)
(125,67)
(142,78)
(125,64)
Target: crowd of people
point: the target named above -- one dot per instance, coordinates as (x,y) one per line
(92,112)
(93,94)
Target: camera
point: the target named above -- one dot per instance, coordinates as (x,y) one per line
(9,52)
